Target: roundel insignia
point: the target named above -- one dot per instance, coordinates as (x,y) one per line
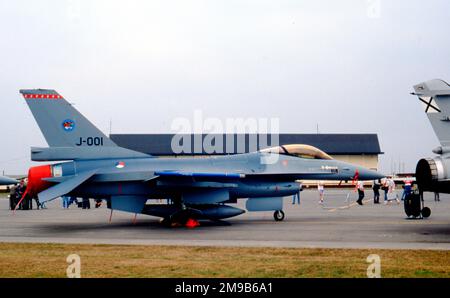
(68,125)
(120,165)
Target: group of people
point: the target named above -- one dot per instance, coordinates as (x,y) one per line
(83,203)
(387,185)
(16,192)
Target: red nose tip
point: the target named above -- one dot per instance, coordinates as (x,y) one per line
(35,182)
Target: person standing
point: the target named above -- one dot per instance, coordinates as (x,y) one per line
(321,190)
(386,190)
(19,193)
(13,197)
(65,202)
(376,191)
(86,204)
(407,188)
(392,194)
(360,186)
(297,195)
(436,197)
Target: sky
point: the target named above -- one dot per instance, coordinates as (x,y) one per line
(134,66)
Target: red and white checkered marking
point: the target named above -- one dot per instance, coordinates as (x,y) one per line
(43,96)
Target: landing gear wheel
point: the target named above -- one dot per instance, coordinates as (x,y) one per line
(426,212)
(278,215)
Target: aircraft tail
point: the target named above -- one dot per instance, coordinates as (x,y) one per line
(435,97)
(68,133)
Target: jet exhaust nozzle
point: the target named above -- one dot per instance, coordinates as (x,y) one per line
(428,172)
(36,184)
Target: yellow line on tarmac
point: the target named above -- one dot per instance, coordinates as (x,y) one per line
(348,206)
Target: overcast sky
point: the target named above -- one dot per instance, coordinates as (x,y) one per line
(347,66)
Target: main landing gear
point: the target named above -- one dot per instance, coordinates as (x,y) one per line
(184,217)
(174,222)
(278,215)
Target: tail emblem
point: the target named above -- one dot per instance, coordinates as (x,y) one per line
(430,104)
(68,125)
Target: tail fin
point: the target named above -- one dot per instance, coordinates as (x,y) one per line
(61,124)
(435,96)
(68,133)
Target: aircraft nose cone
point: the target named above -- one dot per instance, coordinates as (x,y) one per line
(366,174)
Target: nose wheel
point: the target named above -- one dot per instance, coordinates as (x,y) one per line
(278,215)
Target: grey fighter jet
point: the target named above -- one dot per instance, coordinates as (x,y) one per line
(197,188)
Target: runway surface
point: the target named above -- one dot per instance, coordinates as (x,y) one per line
(336,224)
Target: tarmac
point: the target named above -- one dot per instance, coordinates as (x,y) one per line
(338,223)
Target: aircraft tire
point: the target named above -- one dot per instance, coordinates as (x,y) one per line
(426,212)
(278,215)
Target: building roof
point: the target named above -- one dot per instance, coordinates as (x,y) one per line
(334,144)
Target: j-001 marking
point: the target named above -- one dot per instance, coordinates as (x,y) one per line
(90,141)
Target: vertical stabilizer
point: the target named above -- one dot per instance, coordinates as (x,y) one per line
(61,124)
(435,98)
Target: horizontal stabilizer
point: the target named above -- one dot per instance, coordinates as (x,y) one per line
(74,153)
(65,187)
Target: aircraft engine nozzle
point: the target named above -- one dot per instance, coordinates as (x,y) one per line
(35,183)
(429,171)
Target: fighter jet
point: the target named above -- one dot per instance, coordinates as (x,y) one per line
(433,174)
(197,188)
(7,181)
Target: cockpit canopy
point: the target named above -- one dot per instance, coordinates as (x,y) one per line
(298,150)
